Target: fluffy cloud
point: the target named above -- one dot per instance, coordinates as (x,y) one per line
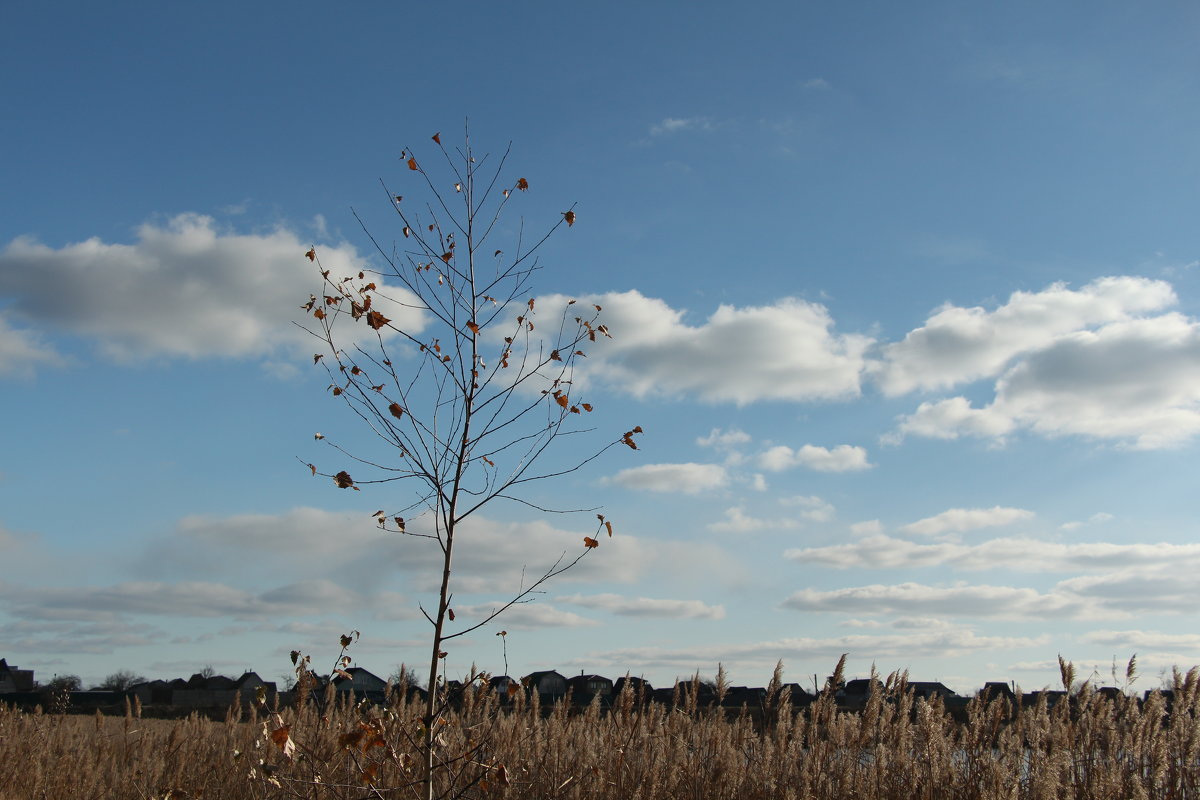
(526,616)
(1143,640)
(842,458)
(1018,553)
(22,351)
(1111,595)
(958,520)
(1135,381)
(737,521)
(686,478)
(814,508)
(183,599)
(646,606)
(784,351)
(723,440)
(671,125)
(183,289)
(936,642)
(493,558)
(869,527)
(958,345)
(965,601)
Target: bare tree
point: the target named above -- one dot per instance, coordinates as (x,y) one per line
(459,378)
(121,680)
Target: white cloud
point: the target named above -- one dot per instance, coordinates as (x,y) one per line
(1095,519)
(963,601)
(492,558)
(646,606)
(526,616)
(1135,381)
(842,458)
(814,508)
(784,351)
(950,419)
(1139,641)
(958,520)
(958,344)
(762,655)
(183,289)
(686,478)
(816,83)
(671,125)
(22,350)
(723,440)
(185,599)
(870,527)
(736,521)
(1018,553)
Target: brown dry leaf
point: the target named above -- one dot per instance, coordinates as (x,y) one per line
(317,357)
(447,256)
(608,525)
(399,523)
(586,406)
(437,137)
(522,184)
(554,356)
(337,390)
(396,410)
(474,328)
(412,164)
(312,254)
(281,736)
(376,320)
(343,480)
(319,313)
(569,216)
(407,232)
(562,400)
(589,542)
(314,469)
(450,614)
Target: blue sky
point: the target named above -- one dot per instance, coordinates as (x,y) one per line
(905,298)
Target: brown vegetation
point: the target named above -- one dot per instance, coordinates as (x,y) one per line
(1095,745)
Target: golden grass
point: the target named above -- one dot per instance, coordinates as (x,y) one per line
(1093,747)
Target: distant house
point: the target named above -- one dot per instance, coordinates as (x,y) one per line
(797,695)
(585,687)
(156,692)
(750,697)
(858,690)
(1051,696)
(548,685)
(15,680)
(996,689)
(640,687)
(361,682)
(504,686)
(930,689)
(201,691)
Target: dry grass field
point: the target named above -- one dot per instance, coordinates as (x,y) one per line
(1094,746)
